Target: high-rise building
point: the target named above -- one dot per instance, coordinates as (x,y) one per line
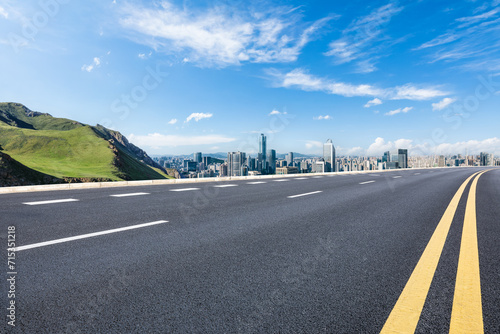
(189,166)
(271,157)
(386,157)
(319,166)
(485,159)
(289,159)
(251,162)
(197,157)
(235,163)
(402,158)
(304,166)
(329,156)
(262,152)
(441,161)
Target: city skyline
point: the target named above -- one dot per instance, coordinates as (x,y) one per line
(371,76)
(266,162)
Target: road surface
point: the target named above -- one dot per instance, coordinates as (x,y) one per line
(328,254)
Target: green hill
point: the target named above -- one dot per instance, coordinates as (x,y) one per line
(13,173)
(70,150)
(17,115)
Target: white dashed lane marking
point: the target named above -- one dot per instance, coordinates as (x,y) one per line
(184,189)
(52,201)
(305,194)
(84,236)
(130,194)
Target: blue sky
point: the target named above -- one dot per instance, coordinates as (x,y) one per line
(182,76)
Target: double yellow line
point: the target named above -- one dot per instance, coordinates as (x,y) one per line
(467,315)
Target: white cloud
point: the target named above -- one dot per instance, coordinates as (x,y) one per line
(172,121)
(87,68)
(276,112)
(411,92)
(474,38)
(4,13)
(397,111)
(266,131)
(355,151)
(313,144)
(144,56)
(477,18)
(320,118)
(443,103)
(95,63)
(374,102)
(221,35)
(380,146)
(365,66)
(442,39)
(299,79)
(198,116)
(359,36)
(490,145)
(157,140)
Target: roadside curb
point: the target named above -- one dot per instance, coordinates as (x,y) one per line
(94,185)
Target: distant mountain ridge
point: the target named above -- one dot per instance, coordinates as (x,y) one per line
(63,150)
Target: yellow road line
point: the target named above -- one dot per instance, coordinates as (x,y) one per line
(467,313)
(406,313)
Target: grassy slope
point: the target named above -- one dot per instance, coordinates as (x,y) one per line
(73,153)
(13,173)
(132,169)
(41,122)
(65,148)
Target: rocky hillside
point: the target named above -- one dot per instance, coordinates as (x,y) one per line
(63,150)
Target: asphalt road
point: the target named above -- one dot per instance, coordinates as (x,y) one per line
(249,257)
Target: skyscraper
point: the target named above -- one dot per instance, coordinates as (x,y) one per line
(329,156)
(485,159)
(289,159)
(271,155)
(197,157)
(441,161)
(386,157)
(262,151)
(235,162)
(402,158)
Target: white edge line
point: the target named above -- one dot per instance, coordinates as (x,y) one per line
(131,194)
(367,182)
(52,201)
(84,236)
(185,189)
(311,193)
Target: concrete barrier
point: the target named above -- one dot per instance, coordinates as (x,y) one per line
(93,185)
